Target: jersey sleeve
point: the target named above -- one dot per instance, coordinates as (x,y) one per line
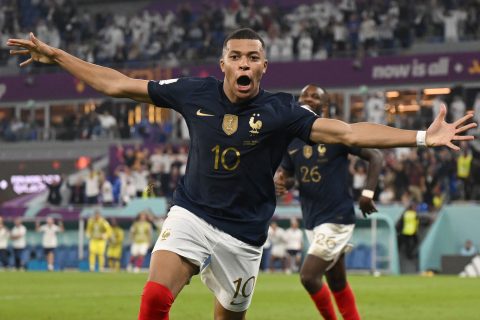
(300,121)
(354,150)
(287,163)
(173,93)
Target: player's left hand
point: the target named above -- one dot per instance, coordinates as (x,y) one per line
(367,206)
(441,133)
(280,183)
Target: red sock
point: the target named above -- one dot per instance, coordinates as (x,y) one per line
(156,302)
(139,262)
(324,304)
(346,304)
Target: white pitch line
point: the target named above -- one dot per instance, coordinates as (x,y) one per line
(56,296)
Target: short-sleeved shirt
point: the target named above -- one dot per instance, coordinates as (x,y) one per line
(322,174)
(234,153)
(49,239)
(116,238)
(4,236)
(141,232)
(98,229)
(21,242)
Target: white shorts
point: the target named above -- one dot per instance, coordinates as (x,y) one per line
(278,251)
(138,249)
(228,266)
(329,240)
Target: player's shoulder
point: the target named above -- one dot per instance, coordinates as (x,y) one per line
(200,81)
(278,98)
(189,82)
(296,143)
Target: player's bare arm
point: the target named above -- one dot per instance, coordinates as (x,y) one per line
(375,161)
(105,80)
(371,135)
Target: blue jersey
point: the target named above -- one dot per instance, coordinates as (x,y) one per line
(322,174)
(235,150)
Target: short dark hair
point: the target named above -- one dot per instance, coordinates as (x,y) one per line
(244,33)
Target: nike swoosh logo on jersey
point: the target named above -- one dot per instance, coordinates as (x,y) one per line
(201,114)
(292,152)
(233,303)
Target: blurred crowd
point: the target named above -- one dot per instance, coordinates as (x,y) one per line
(134,172)
(316,30)
(108,121)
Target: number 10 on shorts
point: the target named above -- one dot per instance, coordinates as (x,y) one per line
(243,288)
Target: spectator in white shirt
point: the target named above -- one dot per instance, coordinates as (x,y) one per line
(106,191)
(305,47)
(92,185)
(140,177)
(157,162)
(451,20)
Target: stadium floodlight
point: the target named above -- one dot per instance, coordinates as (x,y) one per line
(435,91)
(392,94)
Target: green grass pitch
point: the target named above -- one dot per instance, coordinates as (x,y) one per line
(94,296)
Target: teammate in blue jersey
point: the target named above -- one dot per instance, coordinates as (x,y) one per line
(239,133)
(321,171)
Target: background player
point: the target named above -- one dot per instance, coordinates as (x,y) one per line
(4,236)
(141,236)
(294,237)
(18,235)
(328,210)
(98,231)
(238,133)
(49,238)
(115,246)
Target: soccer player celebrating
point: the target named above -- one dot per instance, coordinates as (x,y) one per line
(49,238)
(327,207)
(98,231)
(239,133)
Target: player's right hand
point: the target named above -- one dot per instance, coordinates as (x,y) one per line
(279,180)
(367,206)
(38,50)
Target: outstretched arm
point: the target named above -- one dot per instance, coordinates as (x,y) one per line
(371,135)
(105,80)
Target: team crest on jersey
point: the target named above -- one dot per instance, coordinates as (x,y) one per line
(255,124)
(321,150)
(230,124)
(307,151)
(165,234)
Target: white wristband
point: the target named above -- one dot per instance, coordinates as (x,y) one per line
(367,193)
(421,138)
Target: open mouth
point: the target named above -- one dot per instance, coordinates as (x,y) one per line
(244,82)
